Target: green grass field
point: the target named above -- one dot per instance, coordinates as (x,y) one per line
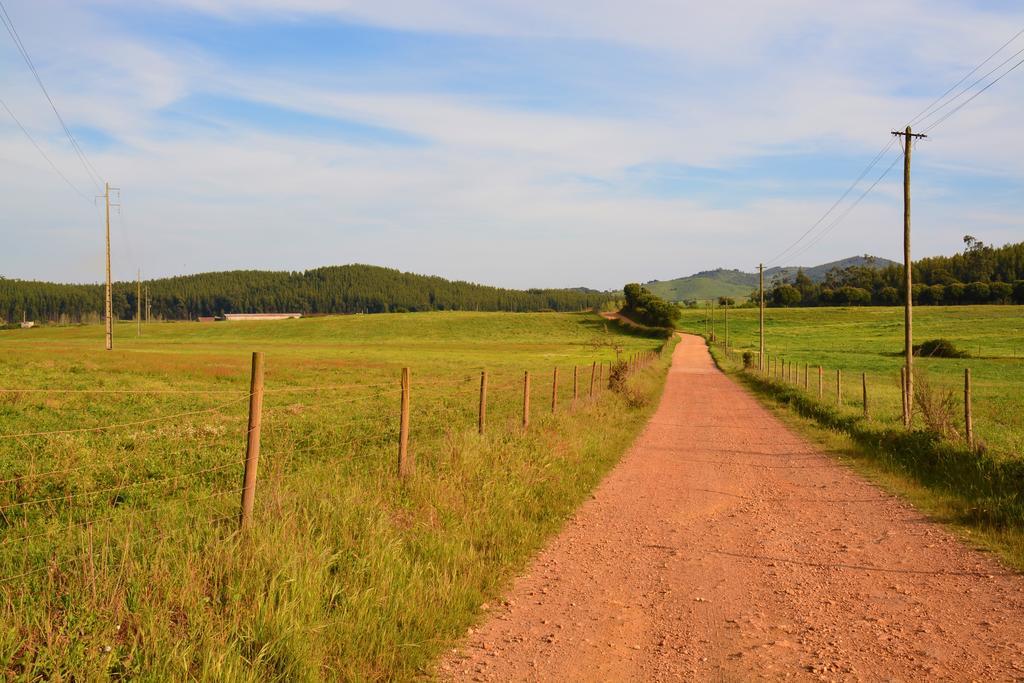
(120,475)
(870,340)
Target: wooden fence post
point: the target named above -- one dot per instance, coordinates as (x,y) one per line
(968,421)
(405,464)
(821,382)
(839,387)
(575,385)
(526,400)
(864,385)
(252,446)
(482,413)
(806,372)
(554,391)
(593,376)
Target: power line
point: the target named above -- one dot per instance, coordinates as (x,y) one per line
(867,169)
(923,115)
(968,88)
(42,153)
(8,23)
(848,210)
(971,98)
(916,119)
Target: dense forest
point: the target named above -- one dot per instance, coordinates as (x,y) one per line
(980,274)
(333,289)
(650,309)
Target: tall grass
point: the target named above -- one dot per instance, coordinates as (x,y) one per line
(870,340)
(346,573)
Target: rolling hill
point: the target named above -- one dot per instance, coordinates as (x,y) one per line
(737,284)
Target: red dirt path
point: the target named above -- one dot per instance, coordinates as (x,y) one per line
(726,547)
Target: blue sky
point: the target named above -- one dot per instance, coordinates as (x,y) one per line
(517,143)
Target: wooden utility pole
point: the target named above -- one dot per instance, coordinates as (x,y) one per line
(138,300)
(712,306)
(761,313)
(109,299)
(727,326)
(908,315)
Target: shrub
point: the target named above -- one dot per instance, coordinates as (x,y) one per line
(617,375)
(938,406)
(748,360)
(939,348)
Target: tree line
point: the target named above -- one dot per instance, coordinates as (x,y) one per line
(333,289)
(980,274)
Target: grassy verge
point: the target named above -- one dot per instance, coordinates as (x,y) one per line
(112,567)
(870,340)
(977,494)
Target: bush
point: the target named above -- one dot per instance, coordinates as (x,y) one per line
(617,375)
(939,348)
(748,360)
(938,406)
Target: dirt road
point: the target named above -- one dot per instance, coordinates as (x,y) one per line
(726,547)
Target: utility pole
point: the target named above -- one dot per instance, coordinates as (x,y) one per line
(761,315)
(727,325)
(109,302)
(138,300)
(908,315)
(712,320)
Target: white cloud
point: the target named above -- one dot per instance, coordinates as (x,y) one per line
(491,195)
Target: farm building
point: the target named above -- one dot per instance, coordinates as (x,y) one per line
(261,316)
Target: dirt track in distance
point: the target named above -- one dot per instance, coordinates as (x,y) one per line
(726,547)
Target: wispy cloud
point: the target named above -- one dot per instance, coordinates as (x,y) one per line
(519,143)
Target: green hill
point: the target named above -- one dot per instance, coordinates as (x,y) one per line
(707,285)
(711,284)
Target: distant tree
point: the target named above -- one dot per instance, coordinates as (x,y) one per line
(955,293)
(932,294)
(726,301)
(786,296)
(978,293)
(889,296)
(1000,292)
